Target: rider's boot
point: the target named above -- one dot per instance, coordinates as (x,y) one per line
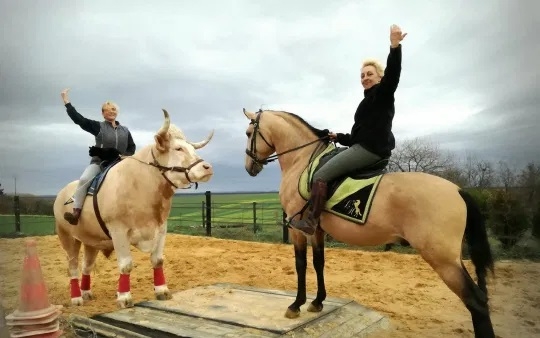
(317,201)
(73,217)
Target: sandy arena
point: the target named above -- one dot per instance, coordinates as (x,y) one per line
(400,286)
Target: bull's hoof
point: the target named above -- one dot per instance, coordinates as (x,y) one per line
(162,292)
(291,314)
(124,300)
(315,308)
(87,295)
(78,301)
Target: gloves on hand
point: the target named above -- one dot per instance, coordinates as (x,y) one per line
(106,154)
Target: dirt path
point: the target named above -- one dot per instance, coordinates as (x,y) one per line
(401,286)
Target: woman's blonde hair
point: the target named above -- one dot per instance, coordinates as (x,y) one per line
(108,104)
(375,63)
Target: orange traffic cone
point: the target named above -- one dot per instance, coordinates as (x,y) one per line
(35,317)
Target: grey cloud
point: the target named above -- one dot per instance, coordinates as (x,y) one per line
(204,64)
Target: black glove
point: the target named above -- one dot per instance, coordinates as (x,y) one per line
(106,154)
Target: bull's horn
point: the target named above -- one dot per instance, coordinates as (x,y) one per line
(198,145)
(165,127)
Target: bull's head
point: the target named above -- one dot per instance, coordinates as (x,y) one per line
(184,164)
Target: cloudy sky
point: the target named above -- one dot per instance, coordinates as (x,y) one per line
(468,79)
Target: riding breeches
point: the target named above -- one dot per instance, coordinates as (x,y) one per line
(84,183)
(349,160)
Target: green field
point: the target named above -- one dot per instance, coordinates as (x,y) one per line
(232,217)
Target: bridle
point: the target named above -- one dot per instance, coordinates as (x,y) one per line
(252,151)
(164,169)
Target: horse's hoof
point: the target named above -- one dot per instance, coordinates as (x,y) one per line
(87,295)
(78,301)
(291,314)
(315,308)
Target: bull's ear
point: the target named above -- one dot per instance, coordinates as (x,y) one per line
(162,144)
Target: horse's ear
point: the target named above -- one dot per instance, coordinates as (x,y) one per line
(249,115)
(162,143)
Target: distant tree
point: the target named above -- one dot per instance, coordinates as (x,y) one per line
(1,190)
(507,177)
(529,180)
(479,173)
(508,218)
(419,155)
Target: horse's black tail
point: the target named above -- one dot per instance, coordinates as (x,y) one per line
(477,240)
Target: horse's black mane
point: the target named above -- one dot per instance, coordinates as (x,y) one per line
(316,131)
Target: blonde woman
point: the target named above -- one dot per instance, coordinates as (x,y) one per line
(371,137)
(112,140)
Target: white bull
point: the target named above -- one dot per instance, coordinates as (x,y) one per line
(133,205)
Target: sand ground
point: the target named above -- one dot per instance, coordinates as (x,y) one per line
(403,287)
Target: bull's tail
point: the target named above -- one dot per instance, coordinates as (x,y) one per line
(477,240)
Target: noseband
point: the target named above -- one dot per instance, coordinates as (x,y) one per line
(252,152)
(164,169)
(184,170)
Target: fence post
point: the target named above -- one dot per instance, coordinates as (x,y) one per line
(208,213)
(285,229)
(203,221)
(254,217)
(17,212)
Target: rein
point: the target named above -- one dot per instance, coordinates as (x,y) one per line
(164,169)
(252,152)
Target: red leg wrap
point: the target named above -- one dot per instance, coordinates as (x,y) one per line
(159,277)
(123,283)
(85,282)
(74,286)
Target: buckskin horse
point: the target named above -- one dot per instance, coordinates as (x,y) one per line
(372,207)
(128,204)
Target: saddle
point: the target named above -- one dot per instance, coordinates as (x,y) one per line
(94,187)
(370,171)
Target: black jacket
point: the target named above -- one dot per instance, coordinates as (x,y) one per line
(372,127)
(105,134)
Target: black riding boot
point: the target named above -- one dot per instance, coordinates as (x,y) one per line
(73,218)
(317,201)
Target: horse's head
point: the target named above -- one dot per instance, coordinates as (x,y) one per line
(183,164)
(259,143)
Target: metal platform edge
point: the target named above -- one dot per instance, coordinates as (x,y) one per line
(96,328)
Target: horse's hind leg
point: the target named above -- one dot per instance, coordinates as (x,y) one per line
(300,257)
(89,262)
(317,244)
(456,277)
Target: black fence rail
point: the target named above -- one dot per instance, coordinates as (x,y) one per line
(219,217)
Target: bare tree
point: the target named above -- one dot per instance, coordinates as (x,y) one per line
(507,176)
(529,179)
(1,190)
(479,173)
(419,155)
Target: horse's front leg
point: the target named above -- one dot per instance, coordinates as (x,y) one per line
(300,256)
(317,243)
(161,290)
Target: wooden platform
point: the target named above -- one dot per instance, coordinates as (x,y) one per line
(230,310)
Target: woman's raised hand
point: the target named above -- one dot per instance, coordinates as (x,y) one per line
(64,95)
(396,35)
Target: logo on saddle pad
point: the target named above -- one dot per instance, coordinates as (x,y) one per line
(350,196)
